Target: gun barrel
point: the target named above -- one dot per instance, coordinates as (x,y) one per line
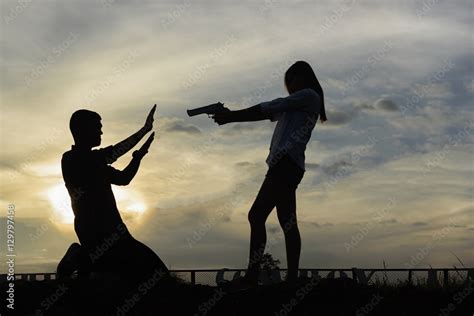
(194,112)
(205,109)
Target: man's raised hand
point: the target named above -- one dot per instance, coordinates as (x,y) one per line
(149,120)
(144,149)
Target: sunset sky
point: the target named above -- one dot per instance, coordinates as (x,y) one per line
(389,176)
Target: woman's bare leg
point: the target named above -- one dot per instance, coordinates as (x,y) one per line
(258,214)
(286,211)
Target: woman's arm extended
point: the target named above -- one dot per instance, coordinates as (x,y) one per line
(302,100)
(250,114)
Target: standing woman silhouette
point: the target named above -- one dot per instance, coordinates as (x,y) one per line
(296,117)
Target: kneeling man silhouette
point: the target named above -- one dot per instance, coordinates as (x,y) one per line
(106,245)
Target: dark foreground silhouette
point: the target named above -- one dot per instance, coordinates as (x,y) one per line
(106,246)
(168,296)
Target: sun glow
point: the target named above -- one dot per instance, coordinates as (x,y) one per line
(127,201)
(59,199)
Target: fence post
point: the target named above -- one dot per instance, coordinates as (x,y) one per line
(410,272)
(193,277)
(354,275)
(445,277)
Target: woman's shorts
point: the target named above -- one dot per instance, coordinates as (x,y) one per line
(286,172)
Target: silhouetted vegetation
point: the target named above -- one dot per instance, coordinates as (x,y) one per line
(171,296)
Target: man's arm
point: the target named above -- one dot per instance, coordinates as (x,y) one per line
(125,145)
(125,176)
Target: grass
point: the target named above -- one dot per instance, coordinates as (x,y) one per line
(173,296)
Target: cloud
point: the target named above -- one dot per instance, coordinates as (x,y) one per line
(243,164)
(180,127)
(386,105)
(338,117)
(339,166)
(365,106)
(312,166)
(258,129)
(40,243)
(274,229)
(389,221)
(245,126)
(318,225)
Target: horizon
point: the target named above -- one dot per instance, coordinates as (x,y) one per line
(388,176)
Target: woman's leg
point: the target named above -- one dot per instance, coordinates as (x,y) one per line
(258,214)
(286,211)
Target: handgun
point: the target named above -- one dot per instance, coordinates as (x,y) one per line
(208,109)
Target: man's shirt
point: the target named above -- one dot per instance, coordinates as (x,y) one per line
(296,115)
(88,178)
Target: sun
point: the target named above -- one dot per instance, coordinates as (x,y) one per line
(58,196)
(127,201)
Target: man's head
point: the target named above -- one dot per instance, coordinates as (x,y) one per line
(86,128)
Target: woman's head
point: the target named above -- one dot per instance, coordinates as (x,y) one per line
(300,76)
